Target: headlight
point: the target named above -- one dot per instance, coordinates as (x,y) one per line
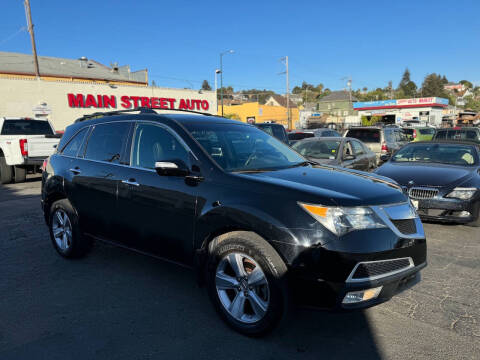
(462,193)
(341,220)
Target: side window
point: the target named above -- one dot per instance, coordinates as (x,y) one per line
(441,134)
(153,143)
(71,149)
(347,149)
(357,148)
(107,142)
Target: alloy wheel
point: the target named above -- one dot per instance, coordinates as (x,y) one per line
(242,288)
(62,229)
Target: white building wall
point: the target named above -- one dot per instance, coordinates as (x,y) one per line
(28,98)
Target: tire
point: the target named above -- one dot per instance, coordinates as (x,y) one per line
(19,174)
(476,223)
(65,232)
(5,171)
(253,310)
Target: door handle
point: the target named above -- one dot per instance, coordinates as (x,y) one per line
(75,171)
(131,182)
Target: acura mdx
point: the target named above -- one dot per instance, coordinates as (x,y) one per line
(261,226)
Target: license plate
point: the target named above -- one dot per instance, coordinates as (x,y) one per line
(415,204)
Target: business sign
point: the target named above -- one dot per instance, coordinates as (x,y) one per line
(131,102)
(399,103)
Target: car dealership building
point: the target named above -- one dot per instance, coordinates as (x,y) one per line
(69,88)
(396,111)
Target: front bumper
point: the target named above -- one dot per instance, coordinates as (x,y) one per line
(449,210)
(321,277)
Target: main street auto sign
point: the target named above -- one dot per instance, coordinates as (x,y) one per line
(129,102)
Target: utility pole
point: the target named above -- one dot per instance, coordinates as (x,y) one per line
(289,119)
(28,14)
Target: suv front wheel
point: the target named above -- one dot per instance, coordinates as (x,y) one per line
(246,282)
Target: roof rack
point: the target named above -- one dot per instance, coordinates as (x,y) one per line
(142,109)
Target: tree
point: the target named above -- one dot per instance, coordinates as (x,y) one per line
(466,83)
(433,86)
(407,88)
(472,103)
(206,85)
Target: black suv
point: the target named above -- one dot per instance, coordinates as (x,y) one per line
(259,224)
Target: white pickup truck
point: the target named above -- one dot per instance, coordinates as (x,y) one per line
(24,144)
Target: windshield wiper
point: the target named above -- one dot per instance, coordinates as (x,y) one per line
(304,163)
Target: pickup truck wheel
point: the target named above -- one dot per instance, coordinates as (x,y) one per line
(5,171)
(65,232)
(20,174)
(246,281)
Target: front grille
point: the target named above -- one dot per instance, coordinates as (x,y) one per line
(405,226)
(373,269)
(422,193)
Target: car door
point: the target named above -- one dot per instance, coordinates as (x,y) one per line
(361,161)
(157,213)
(96,177)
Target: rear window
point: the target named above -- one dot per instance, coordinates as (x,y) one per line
(107,141)
(26,127)
(300,136)
(429,131)
(365,135)
(277,131)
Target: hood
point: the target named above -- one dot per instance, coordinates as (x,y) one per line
(329,184)
(437,175)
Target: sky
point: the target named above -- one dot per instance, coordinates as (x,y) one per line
(180,42)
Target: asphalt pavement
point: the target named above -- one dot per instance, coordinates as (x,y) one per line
(115,304)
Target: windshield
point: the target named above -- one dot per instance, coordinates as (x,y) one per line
(26,127)
(243,147)
(326,149)
(438,153)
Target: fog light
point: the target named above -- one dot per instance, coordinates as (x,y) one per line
(362,295)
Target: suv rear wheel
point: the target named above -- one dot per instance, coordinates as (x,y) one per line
(65,232)
(246,282)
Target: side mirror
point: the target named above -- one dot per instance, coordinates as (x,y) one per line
(349,157)
(384,157)
(171,168)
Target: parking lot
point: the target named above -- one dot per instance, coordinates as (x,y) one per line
(116,304)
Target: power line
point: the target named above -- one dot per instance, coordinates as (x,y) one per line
(10,37)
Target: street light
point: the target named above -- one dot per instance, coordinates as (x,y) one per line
(217,71)
(221,74)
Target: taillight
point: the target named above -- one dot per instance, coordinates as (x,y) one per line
(44,165)
(384,147)
(24,147)
(414,133)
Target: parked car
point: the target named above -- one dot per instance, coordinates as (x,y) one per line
(460,133)
(345,152)
(419,133)
(249,214)
(300,134)
(275,130)
(442,178)
(24,144)
(382,141)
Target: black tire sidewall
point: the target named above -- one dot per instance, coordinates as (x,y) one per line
(274,273)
